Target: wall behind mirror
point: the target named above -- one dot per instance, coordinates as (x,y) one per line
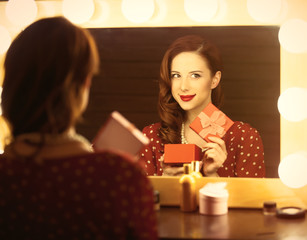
(130,62)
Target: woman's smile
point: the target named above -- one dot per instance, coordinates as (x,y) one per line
(187,98)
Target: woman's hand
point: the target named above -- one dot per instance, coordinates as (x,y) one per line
(168,169)
(214,157)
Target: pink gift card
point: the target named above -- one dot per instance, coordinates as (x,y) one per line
(211,122)
(118,134)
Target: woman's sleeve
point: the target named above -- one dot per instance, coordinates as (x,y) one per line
(147,156)
(250,154)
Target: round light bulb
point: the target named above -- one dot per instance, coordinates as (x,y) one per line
(201,10)
(138,11)
(292,104)
(292,170)
(78,11)
(263,10)
(292,36)
(21,12)
(5,40)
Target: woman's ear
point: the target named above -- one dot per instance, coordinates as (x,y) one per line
(216,79)
(88,82)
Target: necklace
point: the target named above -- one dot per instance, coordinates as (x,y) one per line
(183,139)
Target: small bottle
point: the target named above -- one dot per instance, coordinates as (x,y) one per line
(157,200)
(195,169)
(269,208)
(188,191)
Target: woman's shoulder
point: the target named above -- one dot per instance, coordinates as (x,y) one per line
(106,158)
(151,129)
(103,162)
(240,128)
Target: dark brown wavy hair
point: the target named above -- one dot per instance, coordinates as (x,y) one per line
(46,68)
(171,114)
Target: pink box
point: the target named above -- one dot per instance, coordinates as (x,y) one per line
(181,153)
(118,134)
(211,122)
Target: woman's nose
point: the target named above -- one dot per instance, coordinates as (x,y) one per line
(184,86)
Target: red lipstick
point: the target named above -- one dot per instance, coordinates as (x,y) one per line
(187,98)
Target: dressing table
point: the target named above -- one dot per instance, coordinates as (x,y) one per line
(245,218)
(237,224)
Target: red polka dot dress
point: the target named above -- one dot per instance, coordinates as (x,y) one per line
(93,196)
(244,148)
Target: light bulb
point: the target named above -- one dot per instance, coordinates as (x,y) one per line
(201,10)
(292,36)
(21,12)
(292,104)
(78,11)
(264,10)
(138,11)
(292,170)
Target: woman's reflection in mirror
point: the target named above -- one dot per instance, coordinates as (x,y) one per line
(190,79)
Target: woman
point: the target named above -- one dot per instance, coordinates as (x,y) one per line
(52,185)
(190,76)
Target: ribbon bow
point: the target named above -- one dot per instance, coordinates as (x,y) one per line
(212,125)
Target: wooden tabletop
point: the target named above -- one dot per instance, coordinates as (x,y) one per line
(236,224)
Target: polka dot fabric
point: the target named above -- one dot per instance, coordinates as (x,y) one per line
(244,148)
(95,196)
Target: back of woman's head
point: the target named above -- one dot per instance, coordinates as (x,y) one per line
(45,69)
(170,112)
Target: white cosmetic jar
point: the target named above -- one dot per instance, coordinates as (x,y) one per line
(213,204)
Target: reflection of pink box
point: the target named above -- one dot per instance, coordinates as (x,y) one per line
(211,122)
(120,135)
(181,153)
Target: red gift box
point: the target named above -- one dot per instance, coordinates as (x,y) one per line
(211,122)
(181,153)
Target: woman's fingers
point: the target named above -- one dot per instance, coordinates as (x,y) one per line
(215,156)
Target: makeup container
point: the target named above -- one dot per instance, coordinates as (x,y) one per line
(269,208)
(188,190)
(213,199)
(291,212)
(157,200)
(195,169)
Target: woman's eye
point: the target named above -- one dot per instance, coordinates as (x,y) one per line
(195,75)
(175,75)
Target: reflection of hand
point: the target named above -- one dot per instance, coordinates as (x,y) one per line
(168,169)
(214,157)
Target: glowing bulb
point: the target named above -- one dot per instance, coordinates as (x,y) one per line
(292,170)
(292,104)
(138,11)
(201,10)
(293,36)
(5,40)
(78,11)
(101,13)
(263,10)
(21,12)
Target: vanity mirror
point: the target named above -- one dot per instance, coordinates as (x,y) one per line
(130,61)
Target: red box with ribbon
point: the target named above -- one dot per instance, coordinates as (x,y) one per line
(211,122)
(181,153)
